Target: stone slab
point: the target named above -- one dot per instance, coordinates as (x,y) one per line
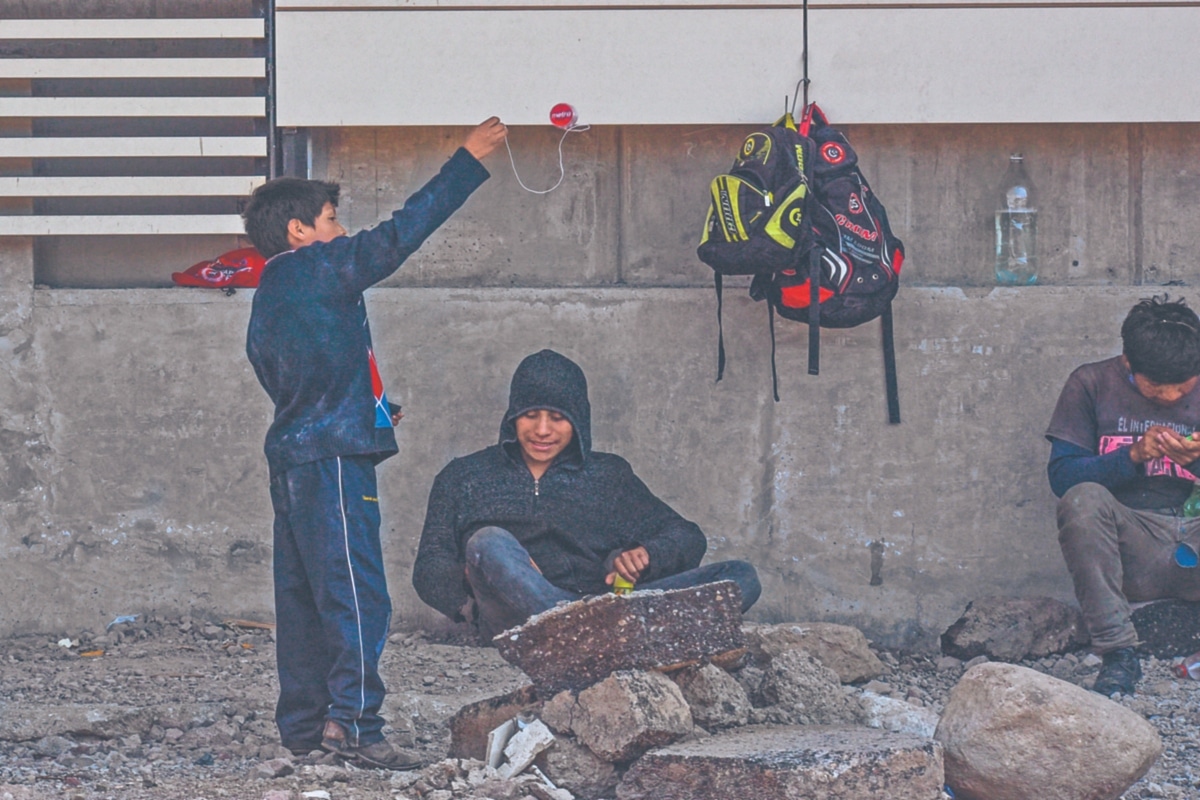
(575,645)
(810,761)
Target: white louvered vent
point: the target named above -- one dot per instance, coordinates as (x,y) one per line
(131,126)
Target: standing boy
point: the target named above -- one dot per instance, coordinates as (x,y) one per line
(310,345)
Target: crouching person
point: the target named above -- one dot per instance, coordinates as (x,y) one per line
(1122,458)
(540,518)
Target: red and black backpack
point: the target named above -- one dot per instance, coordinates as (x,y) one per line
(796,212)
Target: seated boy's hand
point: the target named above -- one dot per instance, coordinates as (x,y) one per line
(486,137)
(629,565)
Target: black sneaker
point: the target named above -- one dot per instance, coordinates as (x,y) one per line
(1120,672)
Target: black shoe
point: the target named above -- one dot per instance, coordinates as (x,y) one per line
(1120,672)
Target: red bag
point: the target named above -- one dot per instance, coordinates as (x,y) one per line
(237,269)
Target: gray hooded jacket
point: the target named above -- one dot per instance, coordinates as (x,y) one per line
(586,508)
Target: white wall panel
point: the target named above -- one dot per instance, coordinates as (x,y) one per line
(386,63)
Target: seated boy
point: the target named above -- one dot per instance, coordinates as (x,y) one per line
(310,345)
(540,518)
(1123,459)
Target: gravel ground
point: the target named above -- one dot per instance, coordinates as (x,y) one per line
(182,710)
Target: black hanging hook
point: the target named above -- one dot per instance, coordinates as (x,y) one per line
(804,61)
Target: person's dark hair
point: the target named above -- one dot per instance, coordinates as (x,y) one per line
(276,203)
(1161,340)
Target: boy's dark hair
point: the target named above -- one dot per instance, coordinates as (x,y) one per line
(1161,340)
(274,204)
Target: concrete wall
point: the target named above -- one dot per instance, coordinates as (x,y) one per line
(663,62)
(131,424)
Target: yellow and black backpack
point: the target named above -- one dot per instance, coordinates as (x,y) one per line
(796,212)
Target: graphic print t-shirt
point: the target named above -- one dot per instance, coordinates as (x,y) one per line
(1101,410)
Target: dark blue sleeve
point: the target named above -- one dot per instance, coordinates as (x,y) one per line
(1071,464)
(369,256)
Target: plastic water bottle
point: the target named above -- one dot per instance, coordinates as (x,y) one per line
(1191,506)
(1189,667)
(1016,228)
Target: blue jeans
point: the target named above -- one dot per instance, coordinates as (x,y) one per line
(509,590)
(332,608)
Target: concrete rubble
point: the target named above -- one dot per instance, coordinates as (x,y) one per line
(1011,733)
(841,648)
(627,713)
(1012,628)
(574,645)
(716,698)
(594,740)
(816,763)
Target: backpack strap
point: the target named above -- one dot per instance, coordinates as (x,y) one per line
(717,285)
(774,373)
(814,311)
(889,366)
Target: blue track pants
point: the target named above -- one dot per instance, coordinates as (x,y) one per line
(332,608)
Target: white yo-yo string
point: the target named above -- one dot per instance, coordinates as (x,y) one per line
(563,116)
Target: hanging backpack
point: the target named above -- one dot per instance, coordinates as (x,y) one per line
(837,264)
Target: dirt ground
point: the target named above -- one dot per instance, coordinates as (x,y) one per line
(181,709)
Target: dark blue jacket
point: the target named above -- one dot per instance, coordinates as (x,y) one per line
(587,507)
(309,340)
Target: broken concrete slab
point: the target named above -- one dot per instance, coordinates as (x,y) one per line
(470,726)
(842,648)
(1013,628)
(813,762)
(716,698)
(575,645)
(1012,733)
(629,712)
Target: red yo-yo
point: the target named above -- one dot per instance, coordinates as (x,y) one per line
(563,115)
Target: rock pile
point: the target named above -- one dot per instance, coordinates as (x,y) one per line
(773,718)
(642,689)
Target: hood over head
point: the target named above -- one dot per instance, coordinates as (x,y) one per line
(550,380)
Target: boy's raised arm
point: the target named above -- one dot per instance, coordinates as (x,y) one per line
(378,252)
(485,137)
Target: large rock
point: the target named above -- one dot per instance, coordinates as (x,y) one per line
(1011,733)
(627,713)
(807,692)
(717,700)
(1012,628)
(574,645)
(814,763)
(469,728)
(842,648)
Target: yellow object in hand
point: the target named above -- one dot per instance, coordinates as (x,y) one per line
(620,585)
